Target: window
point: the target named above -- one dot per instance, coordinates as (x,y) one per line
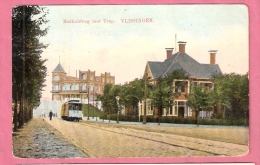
(83,86)
(56,87)
(74,87)
(84,76)
(181,86)
(91,87)
(67,87)
(189,111)
(170,110)
(176,111)
(56,78)
(178,89)
(64,87)
(149,108)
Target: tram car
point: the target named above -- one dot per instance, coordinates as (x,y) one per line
(71,110)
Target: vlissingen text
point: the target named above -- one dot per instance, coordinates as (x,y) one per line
(142,20)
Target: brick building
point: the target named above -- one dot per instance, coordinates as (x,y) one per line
(66,87)
(196,72)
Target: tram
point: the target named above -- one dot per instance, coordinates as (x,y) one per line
(71,110)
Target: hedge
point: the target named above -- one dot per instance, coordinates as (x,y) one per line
(175,120)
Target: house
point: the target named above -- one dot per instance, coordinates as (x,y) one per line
(85,85)
(196,72)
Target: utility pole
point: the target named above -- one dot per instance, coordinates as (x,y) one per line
(88,102)
(93,102)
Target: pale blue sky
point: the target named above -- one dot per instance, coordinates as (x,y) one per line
(124,48)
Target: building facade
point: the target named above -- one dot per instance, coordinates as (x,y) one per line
(85,87)
(196,72)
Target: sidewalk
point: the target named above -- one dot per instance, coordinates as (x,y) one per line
(38,139)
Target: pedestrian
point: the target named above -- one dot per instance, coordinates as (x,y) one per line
(50,115)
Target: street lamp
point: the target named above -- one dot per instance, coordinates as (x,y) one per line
(139,110)
(93,103)
(88,103)
(97,109)
(117,100)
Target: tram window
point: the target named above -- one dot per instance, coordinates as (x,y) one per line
(80,107)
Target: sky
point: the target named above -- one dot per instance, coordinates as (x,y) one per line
(114,44)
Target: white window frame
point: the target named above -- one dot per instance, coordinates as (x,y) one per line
(187,109)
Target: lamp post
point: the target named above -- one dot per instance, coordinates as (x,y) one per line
(93,103)
(139,110)
(97,108)
(117,100)
(88,103)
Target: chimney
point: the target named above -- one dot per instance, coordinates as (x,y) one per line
(182,46)
(212,57)
(169,52)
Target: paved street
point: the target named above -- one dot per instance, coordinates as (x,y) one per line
(39,140)
(101,140)
(104,140)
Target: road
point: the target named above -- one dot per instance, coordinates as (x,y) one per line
(104,140)
(38,139)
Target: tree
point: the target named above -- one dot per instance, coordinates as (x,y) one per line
(199,99)
(130,94)
(220,97)
(108,99)
(28,69)
(230,96)
(162,94)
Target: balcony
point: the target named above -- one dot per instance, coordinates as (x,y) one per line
(83,91)
(55,91)
(77,91)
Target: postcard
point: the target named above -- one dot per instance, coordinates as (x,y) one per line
(164,83)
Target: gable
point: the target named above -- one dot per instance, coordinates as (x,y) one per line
(156,68)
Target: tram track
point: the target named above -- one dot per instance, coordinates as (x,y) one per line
(151,138)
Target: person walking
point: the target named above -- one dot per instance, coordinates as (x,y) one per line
(50,115)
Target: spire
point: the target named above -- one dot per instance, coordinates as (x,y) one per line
(59,68)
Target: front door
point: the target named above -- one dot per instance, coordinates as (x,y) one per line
(181,112)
